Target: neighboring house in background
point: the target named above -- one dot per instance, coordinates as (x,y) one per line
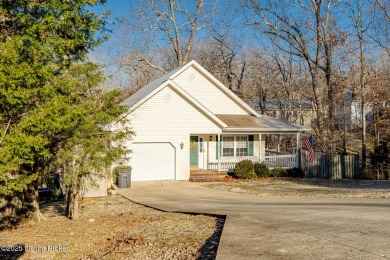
(187,121)
(297,111)
(352,109)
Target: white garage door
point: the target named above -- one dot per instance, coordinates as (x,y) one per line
(152,161)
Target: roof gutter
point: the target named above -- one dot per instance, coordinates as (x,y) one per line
(266,130)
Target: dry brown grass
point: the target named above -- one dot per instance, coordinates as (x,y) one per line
(113,228)
(307,188)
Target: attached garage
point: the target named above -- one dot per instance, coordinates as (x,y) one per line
(152,161)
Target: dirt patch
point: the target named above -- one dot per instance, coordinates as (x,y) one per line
(114,228)
(307,188)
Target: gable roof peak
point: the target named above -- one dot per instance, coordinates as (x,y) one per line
(155,84)
(151,87)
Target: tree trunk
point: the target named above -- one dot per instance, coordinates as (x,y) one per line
(363,95)
(330,110)
(345,129)
(69,204)
(18,207)
(76,213)
(364,145)
(72,203)
(36,214)
(376,128)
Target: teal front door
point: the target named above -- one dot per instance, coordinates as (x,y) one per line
(194,160)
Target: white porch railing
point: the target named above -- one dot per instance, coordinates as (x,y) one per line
(228,163)
(285,161)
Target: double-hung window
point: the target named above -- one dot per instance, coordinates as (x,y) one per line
(241,146)
(234,146)
(228,146)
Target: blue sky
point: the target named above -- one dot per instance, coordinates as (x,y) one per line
(119,8)
(122,9)
(243,36)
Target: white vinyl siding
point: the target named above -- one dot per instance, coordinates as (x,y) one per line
(207,93)
(167,117)
(95,187)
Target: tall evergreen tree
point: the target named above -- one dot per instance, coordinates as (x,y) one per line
(43,104)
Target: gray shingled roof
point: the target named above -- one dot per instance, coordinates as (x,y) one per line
(260,124)
(148,88)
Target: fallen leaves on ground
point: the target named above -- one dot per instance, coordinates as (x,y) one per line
(112,228)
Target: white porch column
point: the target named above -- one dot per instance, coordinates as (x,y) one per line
(208,153)
(261,155)
(298,156)
(219,152)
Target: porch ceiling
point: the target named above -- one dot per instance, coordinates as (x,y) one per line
(259,124)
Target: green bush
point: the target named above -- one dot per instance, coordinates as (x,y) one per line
(295,173)
(245,170)
(278,172)
(262,170)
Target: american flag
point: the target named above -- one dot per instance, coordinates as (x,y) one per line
(309,148)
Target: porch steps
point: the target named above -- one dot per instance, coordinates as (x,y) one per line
(205,176)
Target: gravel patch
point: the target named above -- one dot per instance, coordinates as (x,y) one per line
(115,228)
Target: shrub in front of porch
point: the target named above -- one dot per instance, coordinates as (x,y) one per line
(278,172)
(245,170)
(262,170)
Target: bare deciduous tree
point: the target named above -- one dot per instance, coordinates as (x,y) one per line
(308,36)
(261,78)
(381,32)
(357,49)
(170,21)
(223,53)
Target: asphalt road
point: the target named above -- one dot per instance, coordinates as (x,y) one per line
(283,228)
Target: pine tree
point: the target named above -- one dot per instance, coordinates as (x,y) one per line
(48,98)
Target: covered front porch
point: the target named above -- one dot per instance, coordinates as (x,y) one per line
(221,152)
(243,139)
(227,164)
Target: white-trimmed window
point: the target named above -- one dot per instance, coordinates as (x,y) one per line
(228,146)
(241,146)
(234,146)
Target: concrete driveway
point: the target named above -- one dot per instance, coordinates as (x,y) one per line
(268,228)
